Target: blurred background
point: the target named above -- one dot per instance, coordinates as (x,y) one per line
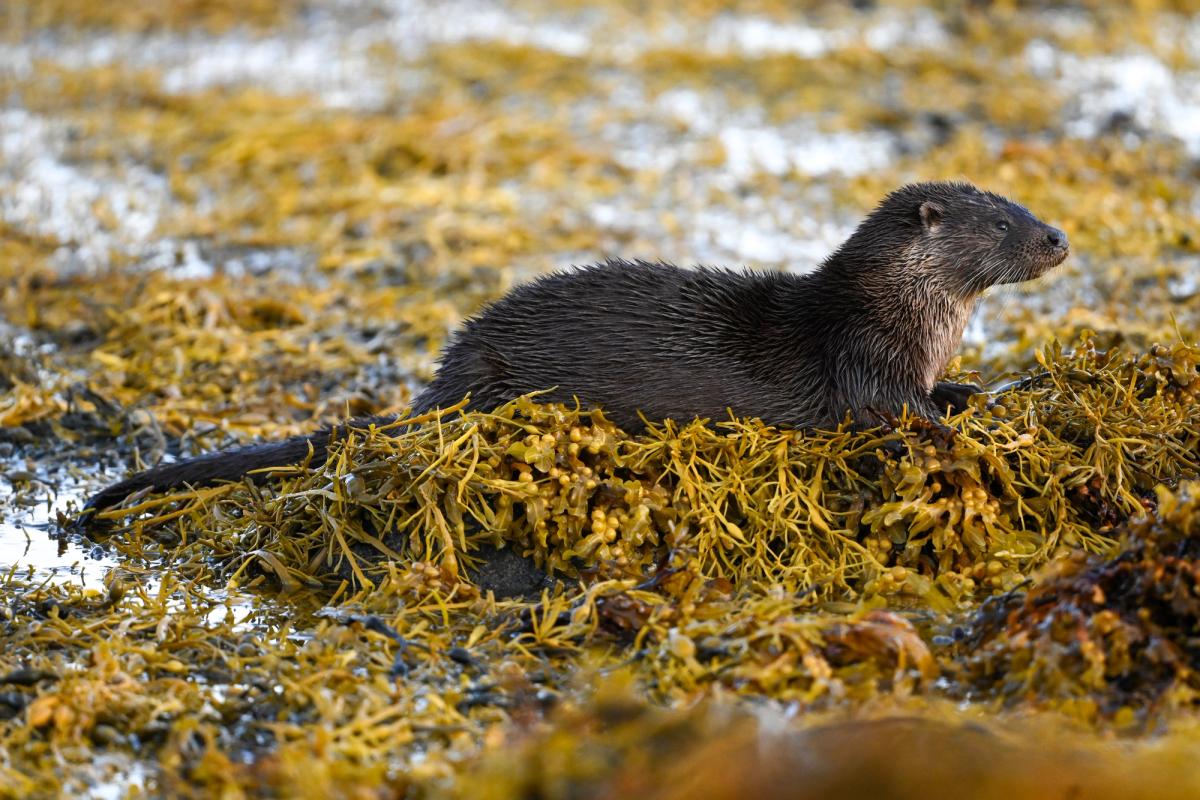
(395,142)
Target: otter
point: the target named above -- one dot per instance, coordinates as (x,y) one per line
(867,333)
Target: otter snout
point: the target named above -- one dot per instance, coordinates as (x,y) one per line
(1057,239)
(1056,243)
(1030,253)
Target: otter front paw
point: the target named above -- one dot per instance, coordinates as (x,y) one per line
(953,395)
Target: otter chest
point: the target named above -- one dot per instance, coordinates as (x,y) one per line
(941,340)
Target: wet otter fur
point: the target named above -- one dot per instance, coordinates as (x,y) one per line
(866,333)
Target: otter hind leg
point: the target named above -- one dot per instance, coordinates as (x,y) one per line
(472,368)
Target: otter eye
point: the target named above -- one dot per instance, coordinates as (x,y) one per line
(1002,224)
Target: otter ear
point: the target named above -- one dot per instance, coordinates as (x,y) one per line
(931,214)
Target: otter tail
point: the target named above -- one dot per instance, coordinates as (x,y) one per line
(228,465)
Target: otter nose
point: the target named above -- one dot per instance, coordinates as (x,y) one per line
(1056,238)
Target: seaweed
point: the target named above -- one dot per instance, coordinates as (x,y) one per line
(1109,638)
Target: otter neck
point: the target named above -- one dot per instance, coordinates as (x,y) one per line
(922,316)
(914,320)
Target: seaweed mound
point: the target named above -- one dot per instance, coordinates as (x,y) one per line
(911,509)
(1112,638)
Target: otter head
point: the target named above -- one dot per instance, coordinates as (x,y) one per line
(968,239)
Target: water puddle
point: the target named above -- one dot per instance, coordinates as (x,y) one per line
(33,547)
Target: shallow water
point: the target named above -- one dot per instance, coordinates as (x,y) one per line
(31,543)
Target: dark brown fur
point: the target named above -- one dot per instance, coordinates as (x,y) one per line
(867,333)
